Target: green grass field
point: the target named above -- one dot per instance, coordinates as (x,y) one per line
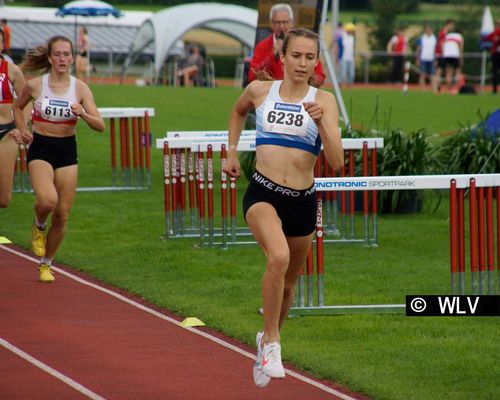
(118,238)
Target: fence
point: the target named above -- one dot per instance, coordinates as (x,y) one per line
(476,74)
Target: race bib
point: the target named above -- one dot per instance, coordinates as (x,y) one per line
(285,118)
(56,110)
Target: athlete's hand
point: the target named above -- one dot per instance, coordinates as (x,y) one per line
(26,137)
(314,110)
(16,135)
(78,109)
(232,167)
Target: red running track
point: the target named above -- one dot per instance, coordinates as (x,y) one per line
(77,339)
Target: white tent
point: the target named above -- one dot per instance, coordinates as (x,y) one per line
(166,27)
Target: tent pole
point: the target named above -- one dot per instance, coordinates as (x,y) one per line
(76,34)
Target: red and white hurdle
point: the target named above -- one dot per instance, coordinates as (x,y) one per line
(189,211)
(129,136)
(482,191)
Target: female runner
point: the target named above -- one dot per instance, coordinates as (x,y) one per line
(58,100)
(293,120)
(11,83)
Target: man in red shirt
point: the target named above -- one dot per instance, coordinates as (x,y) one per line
(396,48)
(266,61)
(440,67)
(494,38)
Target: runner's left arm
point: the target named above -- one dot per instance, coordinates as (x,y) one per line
(87,109)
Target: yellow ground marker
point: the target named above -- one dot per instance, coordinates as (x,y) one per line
(4,240)
(192,321)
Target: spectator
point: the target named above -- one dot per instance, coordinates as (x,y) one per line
(191,72)
(82,57)
(6,34)
(336,46)
(494,38)
(440,67)
(396,48)
(347,64)
(425,56)
(266,63)
(453,55)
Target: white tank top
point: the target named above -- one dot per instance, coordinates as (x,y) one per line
(286,124)
(54,108)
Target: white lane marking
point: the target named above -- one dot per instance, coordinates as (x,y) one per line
(206,335)
(44,367)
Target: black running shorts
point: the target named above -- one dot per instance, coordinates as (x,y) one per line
(295,208)
(6,128)
(57,151)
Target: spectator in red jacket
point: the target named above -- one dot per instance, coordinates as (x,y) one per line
(494,38)
(266,63)
(396,48)
(449,26)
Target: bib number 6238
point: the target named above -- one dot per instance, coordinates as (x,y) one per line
(280,117)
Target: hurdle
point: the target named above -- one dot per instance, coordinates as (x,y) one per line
(186,201)
(130,138)
(481,191)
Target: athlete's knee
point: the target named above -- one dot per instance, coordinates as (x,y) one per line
(46,203)
(278,260)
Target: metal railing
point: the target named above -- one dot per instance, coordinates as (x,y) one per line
(475,73)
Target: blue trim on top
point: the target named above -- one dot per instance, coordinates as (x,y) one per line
(289,143)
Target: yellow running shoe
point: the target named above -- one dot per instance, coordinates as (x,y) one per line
(38,241)
(45,273)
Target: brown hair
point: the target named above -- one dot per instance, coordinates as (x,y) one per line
(37,58)
(301,32)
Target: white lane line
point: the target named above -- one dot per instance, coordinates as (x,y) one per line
(44,367)
(206,335)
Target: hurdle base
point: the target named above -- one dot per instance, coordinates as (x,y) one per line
(348,309)
(112,188)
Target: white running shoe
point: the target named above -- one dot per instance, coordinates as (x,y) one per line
(271,360)
(259,377)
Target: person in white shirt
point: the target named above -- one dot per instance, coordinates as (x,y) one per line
(425,56)
(453,54)
(347,65)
